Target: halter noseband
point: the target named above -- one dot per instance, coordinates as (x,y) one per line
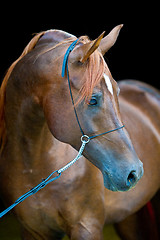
(65,67)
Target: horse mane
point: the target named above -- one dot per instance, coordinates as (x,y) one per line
(27,49)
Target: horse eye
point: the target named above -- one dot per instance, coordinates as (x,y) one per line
(92,101)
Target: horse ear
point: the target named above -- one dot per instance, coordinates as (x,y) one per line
(108,41)
(88,48)
(54,36)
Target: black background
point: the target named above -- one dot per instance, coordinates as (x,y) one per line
(134,56)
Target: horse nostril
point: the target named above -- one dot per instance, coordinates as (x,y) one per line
(132,178)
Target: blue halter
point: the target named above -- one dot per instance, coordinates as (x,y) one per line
(65,67)
(84,139)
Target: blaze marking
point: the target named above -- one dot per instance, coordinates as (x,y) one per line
(108,83)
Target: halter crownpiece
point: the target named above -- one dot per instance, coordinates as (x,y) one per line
(65,59)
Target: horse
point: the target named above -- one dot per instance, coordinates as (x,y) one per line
(39,132)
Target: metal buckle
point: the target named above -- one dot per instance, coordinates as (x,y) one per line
(85,139)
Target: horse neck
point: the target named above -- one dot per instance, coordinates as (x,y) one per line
(31,144)
(25,124)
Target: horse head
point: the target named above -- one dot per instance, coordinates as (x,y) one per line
(95,93)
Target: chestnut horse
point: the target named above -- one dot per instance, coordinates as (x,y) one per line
(39,134)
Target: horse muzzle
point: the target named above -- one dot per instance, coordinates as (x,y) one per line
(123,181)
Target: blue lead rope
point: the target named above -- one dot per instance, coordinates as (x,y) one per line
(84,139)
(32,191)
